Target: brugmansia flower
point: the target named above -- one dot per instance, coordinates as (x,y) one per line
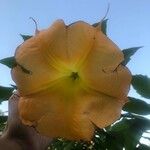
(70,79)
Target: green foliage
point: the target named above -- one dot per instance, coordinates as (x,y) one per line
(3,120)
(5,93)
(128,53)
(25,37)
(9,62)
(142,85)
(131,128)
(137,106)
(102,26)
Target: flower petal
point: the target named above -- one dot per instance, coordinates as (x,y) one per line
(80,39)
(31,56)
(102,70)
(55,115)
(67,45)
(105,110)
(55,125)
(33,107)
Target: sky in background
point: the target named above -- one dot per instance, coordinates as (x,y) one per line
(128,26)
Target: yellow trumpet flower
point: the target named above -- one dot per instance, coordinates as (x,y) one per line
(75,81)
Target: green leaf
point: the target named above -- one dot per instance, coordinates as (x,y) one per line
(114,141)
(26,37)
(143,122)
(128,53)
(69,146)
(5,93)
(3,120)
(141,84)
(123,127)
(120,126)
(131,129)
(137,106)
(103,26)
(132,139)
(9,62)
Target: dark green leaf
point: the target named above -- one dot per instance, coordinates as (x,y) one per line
(143,122)
(137,106)
(141,84)
(69,146)
(96,24)
(114,141)
(9,62)
(128,53)
(103,26)
(131,130)
(3,120)
(25,37)
(5,93)
(132,139)
(120,126)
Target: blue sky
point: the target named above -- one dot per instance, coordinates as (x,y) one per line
(128,26)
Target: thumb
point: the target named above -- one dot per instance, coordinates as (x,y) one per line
(15,131)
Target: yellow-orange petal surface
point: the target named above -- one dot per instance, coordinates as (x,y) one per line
(70,78)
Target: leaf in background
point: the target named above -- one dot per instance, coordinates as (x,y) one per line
(128,53)
(120,126)
(99,139)
(69,146)
(123,128)
(141,84)
(25,37)
(9,62)
(142,122)
(5,93)
(131,129)
(132,138)
(137,106)
(102,26)
(114,141)
(3,120)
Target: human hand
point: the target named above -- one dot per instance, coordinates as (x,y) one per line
(17,136)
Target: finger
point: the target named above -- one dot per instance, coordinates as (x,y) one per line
(13,114)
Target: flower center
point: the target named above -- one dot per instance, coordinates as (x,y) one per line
(74,76)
